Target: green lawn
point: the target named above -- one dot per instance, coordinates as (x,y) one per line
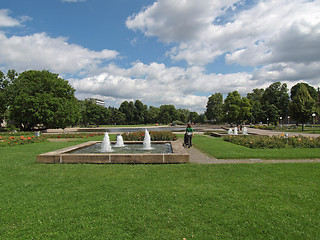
(83,201)
(218,148)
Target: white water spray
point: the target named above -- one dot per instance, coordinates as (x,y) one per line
(147,140)
(119,141)
(106,146)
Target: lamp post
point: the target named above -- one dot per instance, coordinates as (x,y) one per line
(288,121)
(314,118)
(268,121)
(280,120)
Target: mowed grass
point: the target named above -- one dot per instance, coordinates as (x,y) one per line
(83,201)
(220,149)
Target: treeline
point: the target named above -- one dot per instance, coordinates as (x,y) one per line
(270,105)
(41,98)
(136,112)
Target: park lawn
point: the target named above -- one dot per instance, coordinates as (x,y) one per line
(87,201)
(216,147)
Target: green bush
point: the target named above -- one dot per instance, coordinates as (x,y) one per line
(154,135)
(274,141)
(75,135)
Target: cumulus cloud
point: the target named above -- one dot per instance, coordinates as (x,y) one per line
(7,21)
(268,32)
(40,51)
(155,84)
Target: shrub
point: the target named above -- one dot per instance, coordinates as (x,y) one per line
(274,141)
(154,135)
(75,135)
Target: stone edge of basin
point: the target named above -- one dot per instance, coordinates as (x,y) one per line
(179,155)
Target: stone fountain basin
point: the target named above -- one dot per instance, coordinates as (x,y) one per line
(65,155)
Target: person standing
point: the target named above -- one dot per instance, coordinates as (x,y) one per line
(188,135)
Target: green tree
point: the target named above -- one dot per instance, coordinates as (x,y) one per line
(276,94)
(94,114)
(168,113)
(41,97)
(255,98)
(128,109)
(194,117)
(245,110)
(3,98)
(232,107)
(237,109)
(214,110)
(302,105)
(152,115)
(312,91)
(140,112)
(183,115)
(117,117)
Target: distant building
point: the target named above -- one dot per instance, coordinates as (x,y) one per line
(97,101)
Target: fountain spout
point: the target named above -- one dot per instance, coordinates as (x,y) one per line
(147,140)
(106,146)
(119,141)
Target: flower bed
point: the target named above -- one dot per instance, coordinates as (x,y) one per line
(76,135)
(274,142)
(155,136)
(20,140)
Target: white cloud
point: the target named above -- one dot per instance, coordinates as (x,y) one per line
(155,84)
(268,32)
(39,51)
(7,21)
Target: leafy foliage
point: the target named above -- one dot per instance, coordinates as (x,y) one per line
(155,136)
(274,141)
(215,108)
(302,105)
(42,98)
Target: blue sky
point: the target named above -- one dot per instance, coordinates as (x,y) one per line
(166,51)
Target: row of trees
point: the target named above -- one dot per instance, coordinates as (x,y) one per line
(42,98)
(35,98)
(265,105)
(132,113)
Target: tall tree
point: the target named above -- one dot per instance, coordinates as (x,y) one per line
(302,105)
(276,94)
(140,112)
(41,97)
(312,91)
(214,110)
(152,115)
(168,113)
(94,114)
(128,109)
(255,97)
(237,109)
(183,115)
(3,99)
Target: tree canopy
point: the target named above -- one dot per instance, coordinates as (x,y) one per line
(302,105)
(41,97)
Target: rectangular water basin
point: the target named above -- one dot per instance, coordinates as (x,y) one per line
(67,155)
